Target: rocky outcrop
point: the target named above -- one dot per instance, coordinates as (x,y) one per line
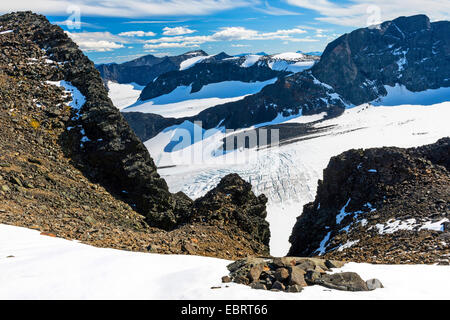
(233,202)
(145,69)
(111,152)
(383,205)
(292,274)
(68,150)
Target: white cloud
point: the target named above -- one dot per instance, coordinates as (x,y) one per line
(273,11)
(362,13)
(96,41)
(125,8)
(167,45)
(137,34)
(176,31)
(225,34)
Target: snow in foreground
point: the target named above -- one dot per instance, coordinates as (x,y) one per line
(33,266)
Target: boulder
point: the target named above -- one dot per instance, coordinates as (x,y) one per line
(297,276)
(294,288)
(277,285)
(258,286)
(346,281)
(281,274)
(373,284)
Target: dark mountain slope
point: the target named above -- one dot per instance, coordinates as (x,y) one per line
(144,69)
(410,51)
(219,68)
(377,205)
(74,167)
(205,73)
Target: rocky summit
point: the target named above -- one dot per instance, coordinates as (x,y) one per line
(383,205)
(408,51)
(71,166)
(292,274)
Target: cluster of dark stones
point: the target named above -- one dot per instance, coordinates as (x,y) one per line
(292,274)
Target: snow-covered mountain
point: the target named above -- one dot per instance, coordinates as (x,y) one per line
(359,67)
(144,69)
(72,167)
(202,70)
(202,81)
(301,106)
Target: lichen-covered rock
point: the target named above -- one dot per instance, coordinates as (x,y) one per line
(373,284)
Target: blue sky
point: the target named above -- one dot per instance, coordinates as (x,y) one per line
(117,31)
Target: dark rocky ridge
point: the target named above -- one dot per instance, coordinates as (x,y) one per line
(96,139)
(353,69)
(366,191)
(144,69)
(208,72)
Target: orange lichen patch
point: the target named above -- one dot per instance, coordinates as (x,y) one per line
(34,124)
(48,234)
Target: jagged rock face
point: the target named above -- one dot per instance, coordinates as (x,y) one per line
(80,172)
(233,202)
(205,73)
(114,153)
(374,205)
(144,69)
(409,51)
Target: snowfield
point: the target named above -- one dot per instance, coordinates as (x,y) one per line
(34,266)
(124,95)
(289,56)
(182,103)
(186,64)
